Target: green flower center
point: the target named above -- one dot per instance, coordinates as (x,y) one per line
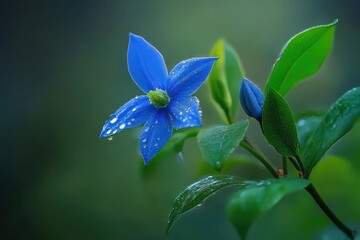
(159,98)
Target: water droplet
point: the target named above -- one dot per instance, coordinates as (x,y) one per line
(180,157)
(133,119)
(115,131)
(156,144)
(144,146)
(180,113)
(156,122)
(134,109)
(184,120)
(110,138)
(129,123)
(122,126)
(200,113)
(301,123)
(144,140)
(146,129)
(108,132)
(113,120)
(158,138)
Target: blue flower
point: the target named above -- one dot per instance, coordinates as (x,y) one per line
(251,99)
(168,103)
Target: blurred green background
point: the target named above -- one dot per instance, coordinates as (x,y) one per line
(63,72)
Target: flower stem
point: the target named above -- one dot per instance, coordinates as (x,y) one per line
(256,153)
(315,195)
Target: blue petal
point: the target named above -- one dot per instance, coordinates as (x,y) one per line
(146,65)
(156,132)
(185,112)
(187,76)
(131,114)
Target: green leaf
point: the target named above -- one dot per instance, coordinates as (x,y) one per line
(225,79)
(195,194)
(306,125)
(301,57)
(279,125)
(236,163)
(246,205)
(337,121)
(217,143)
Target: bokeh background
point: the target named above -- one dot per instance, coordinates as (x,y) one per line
(63,71)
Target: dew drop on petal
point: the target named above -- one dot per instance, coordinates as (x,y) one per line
(108,132)
(134,109)
(122,126)
(110,138)
(113,120)
(180,113)
(115,131)
(146,129)
(129,123)
(156,144)
(144,140)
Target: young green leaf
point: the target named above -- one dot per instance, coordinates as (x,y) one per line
(195,194)
(338,120)
(279,125)
(225,79)
(246,205)
(217,143)
(301,57)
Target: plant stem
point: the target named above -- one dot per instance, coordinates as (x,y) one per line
(256,153)
(301,165)
(296,161)
(315,195)
(295,164)
(285,166)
